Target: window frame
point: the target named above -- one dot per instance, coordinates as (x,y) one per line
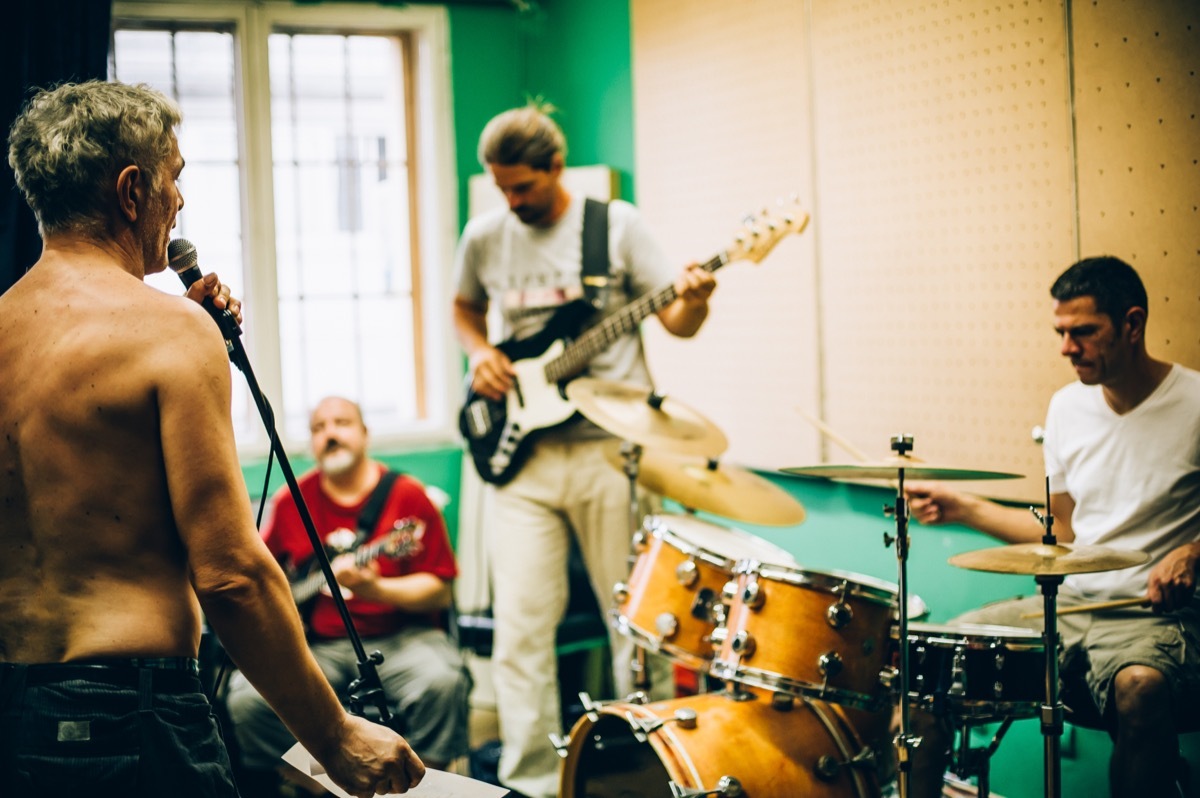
(433,190)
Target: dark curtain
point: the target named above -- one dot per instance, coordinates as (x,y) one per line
(45,42)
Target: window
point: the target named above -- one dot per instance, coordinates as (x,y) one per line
(312,138)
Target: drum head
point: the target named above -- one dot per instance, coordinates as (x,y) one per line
(973,630)
(728,543)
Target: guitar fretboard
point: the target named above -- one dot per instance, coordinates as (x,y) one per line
(602,335)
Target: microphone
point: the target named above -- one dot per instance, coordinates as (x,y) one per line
(184,261)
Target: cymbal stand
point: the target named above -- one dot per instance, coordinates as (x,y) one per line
(1052,710)
(905,740)
(632,452)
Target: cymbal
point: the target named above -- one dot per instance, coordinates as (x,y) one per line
(1041,559)
(724,490)
(626,410)
(890,467)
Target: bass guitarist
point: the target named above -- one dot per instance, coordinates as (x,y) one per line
(529,257)
(396,600)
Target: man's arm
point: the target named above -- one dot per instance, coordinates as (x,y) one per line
(420,592)
(491,370)
(243,593)
(933,503)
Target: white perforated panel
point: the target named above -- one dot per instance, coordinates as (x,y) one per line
(1138,95)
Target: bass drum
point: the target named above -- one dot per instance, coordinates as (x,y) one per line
(749,746)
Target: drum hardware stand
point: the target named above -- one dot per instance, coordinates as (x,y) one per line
(974,761)
(904,740)
(1052,710)
(367,687)
(632,452)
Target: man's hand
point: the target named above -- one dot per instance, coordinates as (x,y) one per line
(353,578)
(491,372)
(1173,581)
(211,286)
(695,285)
(933,503)
(372,760)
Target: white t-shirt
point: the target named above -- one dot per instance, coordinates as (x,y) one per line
(531,271)
(1135,478)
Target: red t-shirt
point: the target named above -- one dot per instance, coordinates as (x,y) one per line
(285,536)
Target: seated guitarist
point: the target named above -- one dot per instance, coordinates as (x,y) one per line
(529,257)
(397,598)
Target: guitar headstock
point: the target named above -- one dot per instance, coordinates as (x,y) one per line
(404,539)
(762,231)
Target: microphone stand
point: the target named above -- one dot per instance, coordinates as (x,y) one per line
(367,687)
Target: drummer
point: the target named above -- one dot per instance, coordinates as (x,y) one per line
(1122,452)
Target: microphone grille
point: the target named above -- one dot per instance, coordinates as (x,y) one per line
(181,255)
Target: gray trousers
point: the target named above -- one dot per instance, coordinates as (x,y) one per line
(423,677)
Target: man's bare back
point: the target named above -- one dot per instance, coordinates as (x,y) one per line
(90,560)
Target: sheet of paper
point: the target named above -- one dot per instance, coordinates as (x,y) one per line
(436,784)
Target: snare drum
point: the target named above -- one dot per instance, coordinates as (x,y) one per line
(672,599)
(713,742)
(976,670)
(822,634)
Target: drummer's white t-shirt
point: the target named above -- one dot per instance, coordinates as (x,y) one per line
(1135,478)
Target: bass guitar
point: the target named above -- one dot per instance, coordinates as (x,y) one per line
(403,541)
(498,432)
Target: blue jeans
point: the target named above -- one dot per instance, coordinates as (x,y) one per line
(108,729)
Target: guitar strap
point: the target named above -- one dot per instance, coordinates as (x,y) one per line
(596,265)
(368,518)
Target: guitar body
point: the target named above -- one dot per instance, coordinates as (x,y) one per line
(498,433)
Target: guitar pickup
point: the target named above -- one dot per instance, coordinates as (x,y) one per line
(479,420)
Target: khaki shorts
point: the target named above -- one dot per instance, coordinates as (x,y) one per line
(1096,645)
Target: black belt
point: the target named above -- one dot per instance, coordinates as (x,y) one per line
(165,673)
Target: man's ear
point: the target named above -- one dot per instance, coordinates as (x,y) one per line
(130,192)
(557,164)
(1135,320)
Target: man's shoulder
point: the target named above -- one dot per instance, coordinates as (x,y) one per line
(485,224)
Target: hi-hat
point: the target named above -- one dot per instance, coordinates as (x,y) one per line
(1042,559)
(700,484)
(890,468)
(634,413)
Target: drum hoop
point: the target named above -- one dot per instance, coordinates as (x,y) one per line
(860,586)
(660,528)
(626,627)
(949,638)
(775,682)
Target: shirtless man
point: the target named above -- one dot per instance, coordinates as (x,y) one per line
(123,513)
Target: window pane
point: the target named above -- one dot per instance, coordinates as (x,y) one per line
(342,214)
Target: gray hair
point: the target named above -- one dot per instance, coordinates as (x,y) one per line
(525,135)
(70,143)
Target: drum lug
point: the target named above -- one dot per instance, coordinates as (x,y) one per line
(753,595)
(839,614)
(687,573)
(639,541)
(729,591)
(957,669)
(828,768)
(717,636)
(620,593)
(830,664)
(726,785)
(666,624)
(782,702)
(560,742)
(743,644)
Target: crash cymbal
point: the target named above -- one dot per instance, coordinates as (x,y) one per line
(890,467)
(634,413)
(724,490)
(1041,559)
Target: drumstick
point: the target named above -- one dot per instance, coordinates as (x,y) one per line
(860,455)
(1100,605)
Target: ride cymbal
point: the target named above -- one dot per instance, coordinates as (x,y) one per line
(890,468)
(724,490)
(1041,559)
(634,413)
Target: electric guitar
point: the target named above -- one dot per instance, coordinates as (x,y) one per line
(498,432)
(402,541)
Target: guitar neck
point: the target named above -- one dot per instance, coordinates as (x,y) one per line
(599,337)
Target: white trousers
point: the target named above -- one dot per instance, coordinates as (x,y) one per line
(565,488)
